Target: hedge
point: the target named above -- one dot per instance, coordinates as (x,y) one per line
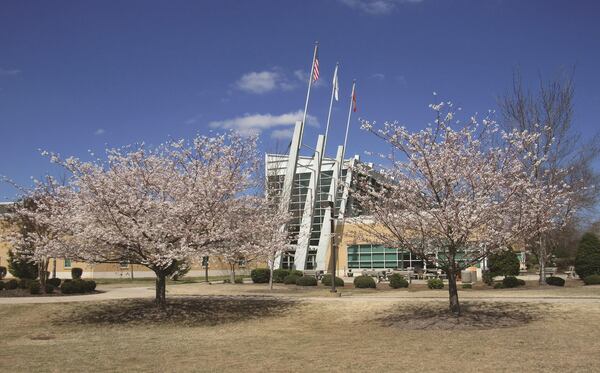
(306,281)
(35,287)
(260,275)
(555,281)
(592,280)
(54,282)
(78,286)
(12,284)
(280,274)
(326,280)
(364,282)
(510,282)
(49,288)
(2,285)
(398,281)
(435,283)
(291,279)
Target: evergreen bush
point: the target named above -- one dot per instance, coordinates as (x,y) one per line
(306,281)
(435,283)
(592,280)
(291,279)
(76,273)
(364,282)
(587,259)
(280,274)
(326,280)
(260,275)
(555,281)
(398,281)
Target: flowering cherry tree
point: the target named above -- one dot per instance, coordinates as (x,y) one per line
(36,235)
(157,206)
(257,233)
(451,193)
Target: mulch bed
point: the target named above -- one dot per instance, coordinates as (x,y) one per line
(196,310)
(474,316)
(19,293)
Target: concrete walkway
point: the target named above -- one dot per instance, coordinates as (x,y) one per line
(115,293)
(106,294)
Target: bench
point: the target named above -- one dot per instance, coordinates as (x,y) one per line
(316,274)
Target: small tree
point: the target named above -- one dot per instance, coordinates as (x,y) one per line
(587,261)
(452,193)
(504,263)
(154,207)
(21,266)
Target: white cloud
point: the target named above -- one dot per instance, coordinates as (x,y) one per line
(376,7)
(282,134)
(256,123)
(9,72)
(99,132)
(378,76)
(193,119)
(302,76)
(264,81)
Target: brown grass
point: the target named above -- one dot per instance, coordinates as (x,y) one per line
(249,333)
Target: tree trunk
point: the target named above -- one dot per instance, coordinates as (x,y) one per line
(53,267)
(232,273)
(271,267)
(453,293)
(542,263)
(161,289)
(42,269)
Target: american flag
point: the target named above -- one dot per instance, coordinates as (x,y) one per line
(315,73)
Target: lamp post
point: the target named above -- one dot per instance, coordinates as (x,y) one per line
(331,205)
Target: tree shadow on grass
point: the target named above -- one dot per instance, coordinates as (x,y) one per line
(474,316)
(192,311)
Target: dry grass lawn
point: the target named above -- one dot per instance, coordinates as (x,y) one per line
(242,332)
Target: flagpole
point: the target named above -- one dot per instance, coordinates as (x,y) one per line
(333,88)
(349,115)
(310,80)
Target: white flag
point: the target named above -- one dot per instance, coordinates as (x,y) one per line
(336,87)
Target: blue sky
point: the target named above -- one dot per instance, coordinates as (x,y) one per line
(82,75)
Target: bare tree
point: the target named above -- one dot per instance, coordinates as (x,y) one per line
(569,158)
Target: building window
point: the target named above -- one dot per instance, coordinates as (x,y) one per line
(67,263)
(378,257)
(287,260)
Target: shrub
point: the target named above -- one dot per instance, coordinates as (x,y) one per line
(54,282)
(76,273)
(2,272)
(555,281)
(487,277)
(35,287)
(227,281)
(589,280)
(499,285)
(260,275)
(90,285)
(587,259)
(295,272)
(398,281)
(435,283)
(2,285)
(467,286)
(280,274)
(306,281)
(510,282)
(521,282)
(364,282)
(49,288)
(77,286)
(326,280)
(504,263)
(290,279)
(239,280)
(11,284)
(24,283)
(21,267)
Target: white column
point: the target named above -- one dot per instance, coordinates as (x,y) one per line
(288,181)
(309,207)
(325,239)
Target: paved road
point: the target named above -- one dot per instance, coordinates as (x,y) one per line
(113,293)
